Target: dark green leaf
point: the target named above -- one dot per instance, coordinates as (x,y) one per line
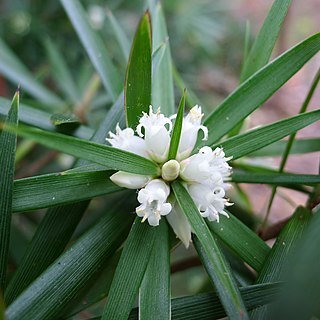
(58,225)
(137,91)
(176,132)
(299,298)
(243,144)
(154,299)
(8,144)
(276,178)
(130,271)
(286,243)
(94,46)
(58,119)
(243,241)
(60,188)
(110,157)
(258,88)
(222,276)
(266,39)
(49,293)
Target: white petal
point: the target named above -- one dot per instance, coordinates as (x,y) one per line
(129,180)
(180,225)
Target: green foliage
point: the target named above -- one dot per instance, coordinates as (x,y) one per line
(86,256)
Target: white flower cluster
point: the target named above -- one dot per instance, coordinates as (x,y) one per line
(204,174)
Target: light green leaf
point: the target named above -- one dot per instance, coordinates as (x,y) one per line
(222,276)
(46,297)
(300,146)
(137,91)
(94,47)
(130,271)
(276,178)
(61,72)
(8,144)
(243,144)
(266,39)
(13,69)
(243,241)
(60,188)
(110,157)
(258,88)
(286,243)
(176,132)
(154,298)
(162,81)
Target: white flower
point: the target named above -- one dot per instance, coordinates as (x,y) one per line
(156,134)
(210,202)
(190,127)
(130,180)
(126,140)
(204,174)
(153,201)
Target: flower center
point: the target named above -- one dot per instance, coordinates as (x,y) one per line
(170,170)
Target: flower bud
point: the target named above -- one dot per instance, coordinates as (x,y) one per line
(170,170)
(129,180)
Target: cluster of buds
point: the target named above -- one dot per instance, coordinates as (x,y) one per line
(203,174)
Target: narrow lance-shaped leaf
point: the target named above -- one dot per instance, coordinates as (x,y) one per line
(8,144)
(154,296)
(59,223)
(60,188)
(162,79)
(266,39)
(243,144)
(243,241)
(223,279)
(130,271)
(285,245)
(259,87)
(46,297)
(94,46)
(137,90)
(176,132)
(110,157)
(276,178)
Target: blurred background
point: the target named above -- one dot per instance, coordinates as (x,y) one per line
(207,45)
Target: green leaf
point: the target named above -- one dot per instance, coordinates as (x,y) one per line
(46,297)
(286,243)
(8,144)
(119,34)
(41,119)
(264,43)
(222,276)
(300,146)
(94,47)
(13,69)
(243,241)
(58,225)
(162,81)
(258,88)
(110,157)
(154,298)
(243,144)
(299,298)
(61,72)
(59,119)
(130,271)
(207,306)
(276,178)
(176,132)
(137,89)
(60,188)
